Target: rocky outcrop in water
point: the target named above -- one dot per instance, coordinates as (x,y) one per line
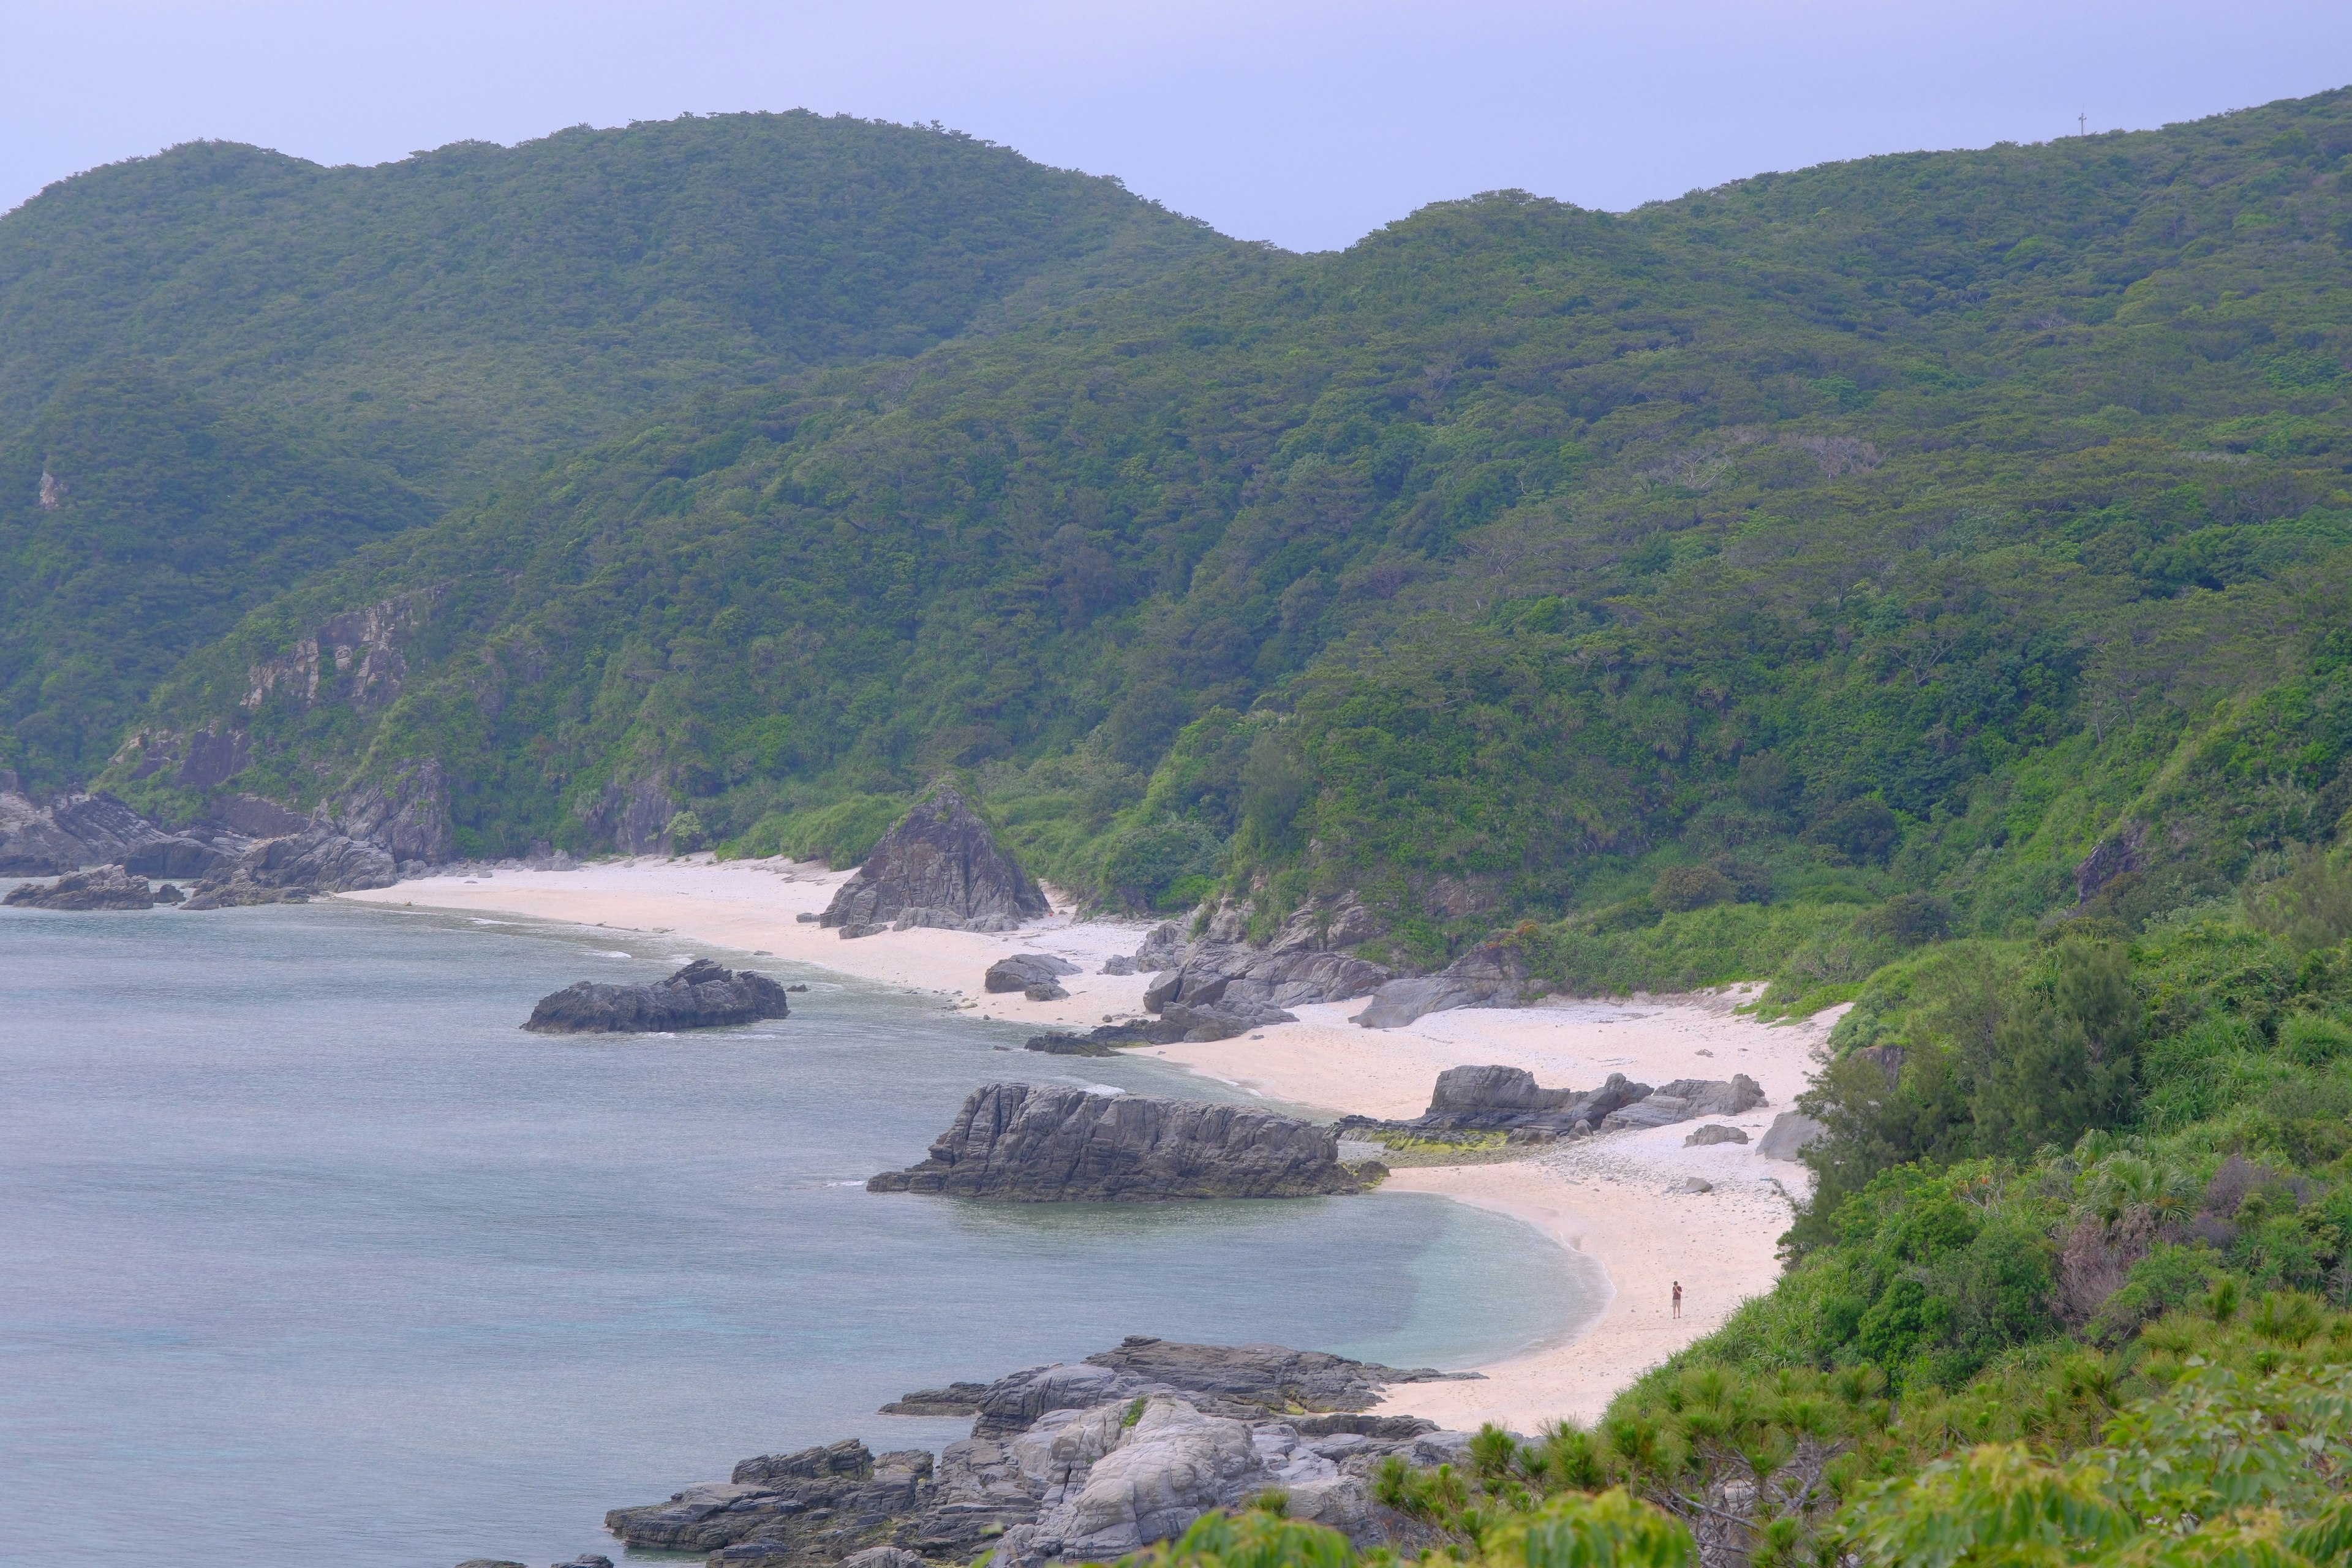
(1073,1461)
(702,996)
(1019,1143)
(107,888)
(938,866)
(1492,975)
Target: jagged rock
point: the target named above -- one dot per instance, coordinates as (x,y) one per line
(938,866)
(181,856)
(702,996)
(1084,1460)
(1023,970)
(1019,1143)
(1494,1098)
(1343,922)
(1684,1098)
(1163,948)
(1786,1137)
(590,1559)
(955,1399)
(290,869)
(107,888)
(1492,975)
(1705,1137)
(169,893)
(406,815)
(1117,964)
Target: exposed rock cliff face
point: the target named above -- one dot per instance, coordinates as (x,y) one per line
(938,866)
(107,888)
(43,839)
(406,816)
(702,996)
(1492,975)
(1075,1462)
(1017,1143)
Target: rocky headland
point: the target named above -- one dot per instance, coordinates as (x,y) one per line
(107,888)
(938,865)
(1075,1461)
(702,996)
(1016,1142)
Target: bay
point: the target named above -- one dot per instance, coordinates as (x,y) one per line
(310,1255)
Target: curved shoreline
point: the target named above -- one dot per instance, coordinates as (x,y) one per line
(1616,1201)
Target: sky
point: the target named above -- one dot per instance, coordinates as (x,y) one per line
(1305,123)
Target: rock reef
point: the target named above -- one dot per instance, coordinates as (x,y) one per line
(1076,1461)
(1015,1142)
(938,865)
(702,996)
(107,888)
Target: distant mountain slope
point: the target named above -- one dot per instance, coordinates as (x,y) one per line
(416,330)
(1886,525)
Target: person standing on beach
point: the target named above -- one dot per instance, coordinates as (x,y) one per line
(1678,1297)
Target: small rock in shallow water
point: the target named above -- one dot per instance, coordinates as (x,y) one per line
(700,995)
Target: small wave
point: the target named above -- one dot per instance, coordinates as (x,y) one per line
(1104,1088)
(605,953)
(483,922)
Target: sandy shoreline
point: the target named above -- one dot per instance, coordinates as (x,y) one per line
(1619,1200)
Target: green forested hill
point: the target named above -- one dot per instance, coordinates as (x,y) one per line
(353,349)
(1888,526)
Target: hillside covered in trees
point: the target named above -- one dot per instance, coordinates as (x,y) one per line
(1922,583)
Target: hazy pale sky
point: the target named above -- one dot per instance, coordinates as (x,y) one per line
(1300,122)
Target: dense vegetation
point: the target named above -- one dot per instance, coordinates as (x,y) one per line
(1920,581)
(235,367)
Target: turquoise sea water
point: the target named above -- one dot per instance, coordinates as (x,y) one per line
(308,1255)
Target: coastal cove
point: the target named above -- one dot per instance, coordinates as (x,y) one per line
(312,1239)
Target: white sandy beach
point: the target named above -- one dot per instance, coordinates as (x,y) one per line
(1618,1199)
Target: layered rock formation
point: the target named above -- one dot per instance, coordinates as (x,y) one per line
(1019,1143)
(107,888)
(1075,1462)
(1492,975)
(938,866)
(1494,1099)
(70,832)
(702,996)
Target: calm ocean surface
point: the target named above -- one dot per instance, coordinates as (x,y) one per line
(308,1255)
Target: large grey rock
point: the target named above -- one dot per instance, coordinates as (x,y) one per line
(1273,1377)
(1492,975)
(938,866)
(1220,990)
(289,868)
(1685,1099)
(107,888)
(1023,970)
(1020,1143)
(702,996)
(1786,1137)
(1709,1136)
(1496,1098)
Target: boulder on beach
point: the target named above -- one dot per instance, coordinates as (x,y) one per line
(1490,1098)
(1687,1098)
(1023,970)
(1714,1133)
(1219,990)
(938,865)
(702,996)
(1490,975)
(107,888)
(1015,1142)
(1786,1137)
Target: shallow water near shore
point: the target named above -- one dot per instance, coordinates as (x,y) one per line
(310,1255)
